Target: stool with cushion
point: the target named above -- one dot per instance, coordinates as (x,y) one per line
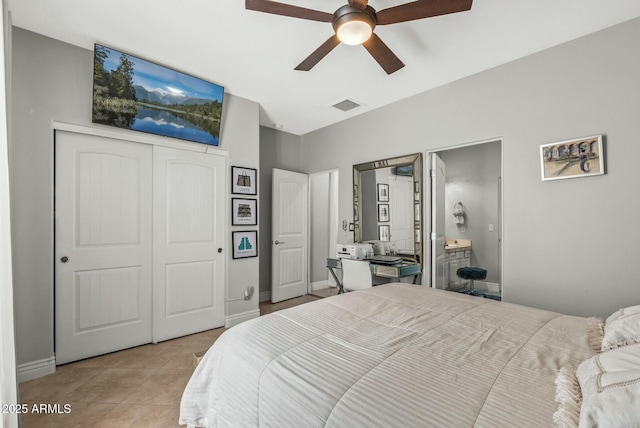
(472,273)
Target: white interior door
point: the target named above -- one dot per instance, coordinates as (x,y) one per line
(438,174)
(103,245)
(333,221)
(289,228)
(189,207)
(401,211)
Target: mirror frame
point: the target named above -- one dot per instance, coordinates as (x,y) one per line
(412,159)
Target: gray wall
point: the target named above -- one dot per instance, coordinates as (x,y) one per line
(277,150)
(319,193)
(472,178)
(52,81)
(569,245)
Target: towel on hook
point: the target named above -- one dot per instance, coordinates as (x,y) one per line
(458,213)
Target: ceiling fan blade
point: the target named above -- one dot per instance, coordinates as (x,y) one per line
(381,53)
(421,9)
(360,4)
(318,54)
(284,9)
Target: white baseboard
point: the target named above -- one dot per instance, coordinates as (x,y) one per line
(265,296)
(319,285)
(36,369)
(236,319)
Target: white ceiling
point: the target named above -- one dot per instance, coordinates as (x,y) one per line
(253,54)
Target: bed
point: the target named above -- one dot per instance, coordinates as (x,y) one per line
(396,355)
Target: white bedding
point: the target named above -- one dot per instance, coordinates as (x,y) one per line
(398,355)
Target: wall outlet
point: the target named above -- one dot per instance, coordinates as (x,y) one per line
(490,228)
(248,293)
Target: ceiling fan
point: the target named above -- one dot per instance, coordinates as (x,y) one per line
(354,22)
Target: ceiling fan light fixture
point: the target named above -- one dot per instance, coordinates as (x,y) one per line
(354,26)
(354,32)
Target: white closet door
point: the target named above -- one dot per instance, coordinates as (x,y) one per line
(103,245)
(189,206)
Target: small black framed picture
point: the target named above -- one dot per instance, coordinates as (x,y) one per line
(245,244)
(244,212)
(243,180)
(383,192)
(383,212)
(383,232)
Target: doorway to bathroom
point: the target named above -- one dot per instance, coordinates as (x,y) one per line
(465,212)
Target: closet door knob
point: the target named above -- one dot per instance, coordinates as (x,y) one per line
(64,259)
(219,250)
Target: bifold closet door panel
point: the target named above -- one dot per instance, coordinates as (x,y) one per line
(189,217)
(103,245)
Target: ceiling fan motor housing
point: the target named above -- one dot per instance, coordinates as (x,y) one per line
(349,13)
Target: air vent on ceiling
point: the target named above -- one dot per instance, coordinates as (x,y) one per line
(346,105)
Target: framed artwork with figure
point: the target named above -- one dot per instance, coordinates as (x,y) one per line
(383,212)
(383,192)
(384,232)
(580,157)
(243,180)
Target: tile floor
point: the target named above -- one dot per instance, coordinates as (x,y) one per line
(139,387)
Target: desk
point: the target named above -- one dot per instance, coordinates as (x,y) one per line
(396,272)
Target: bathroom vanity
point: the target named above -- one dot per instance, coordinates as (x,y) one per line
(457,254)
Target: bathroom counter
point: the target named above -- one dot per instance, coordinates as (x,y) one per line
(453,245)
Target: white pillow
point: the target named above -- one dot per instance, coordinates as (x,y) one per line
(610,385)
(622,328)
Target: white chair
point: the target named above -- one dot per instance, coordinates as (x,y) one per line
(356,275)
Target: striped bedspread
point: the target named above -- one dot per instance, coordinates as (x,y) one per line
(397,355)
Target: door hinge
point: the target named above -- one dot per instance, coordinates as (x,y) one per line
(433,236)
(432,172)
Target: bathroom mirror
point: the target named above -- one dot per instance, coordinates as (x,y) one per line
(387,204)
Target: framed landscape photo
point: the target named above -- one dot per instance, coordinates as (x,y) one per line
(383,232)
(383,212)
(383,192)
(245,244)
(581,157)
(244,212)
(132,93)
(243,180)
